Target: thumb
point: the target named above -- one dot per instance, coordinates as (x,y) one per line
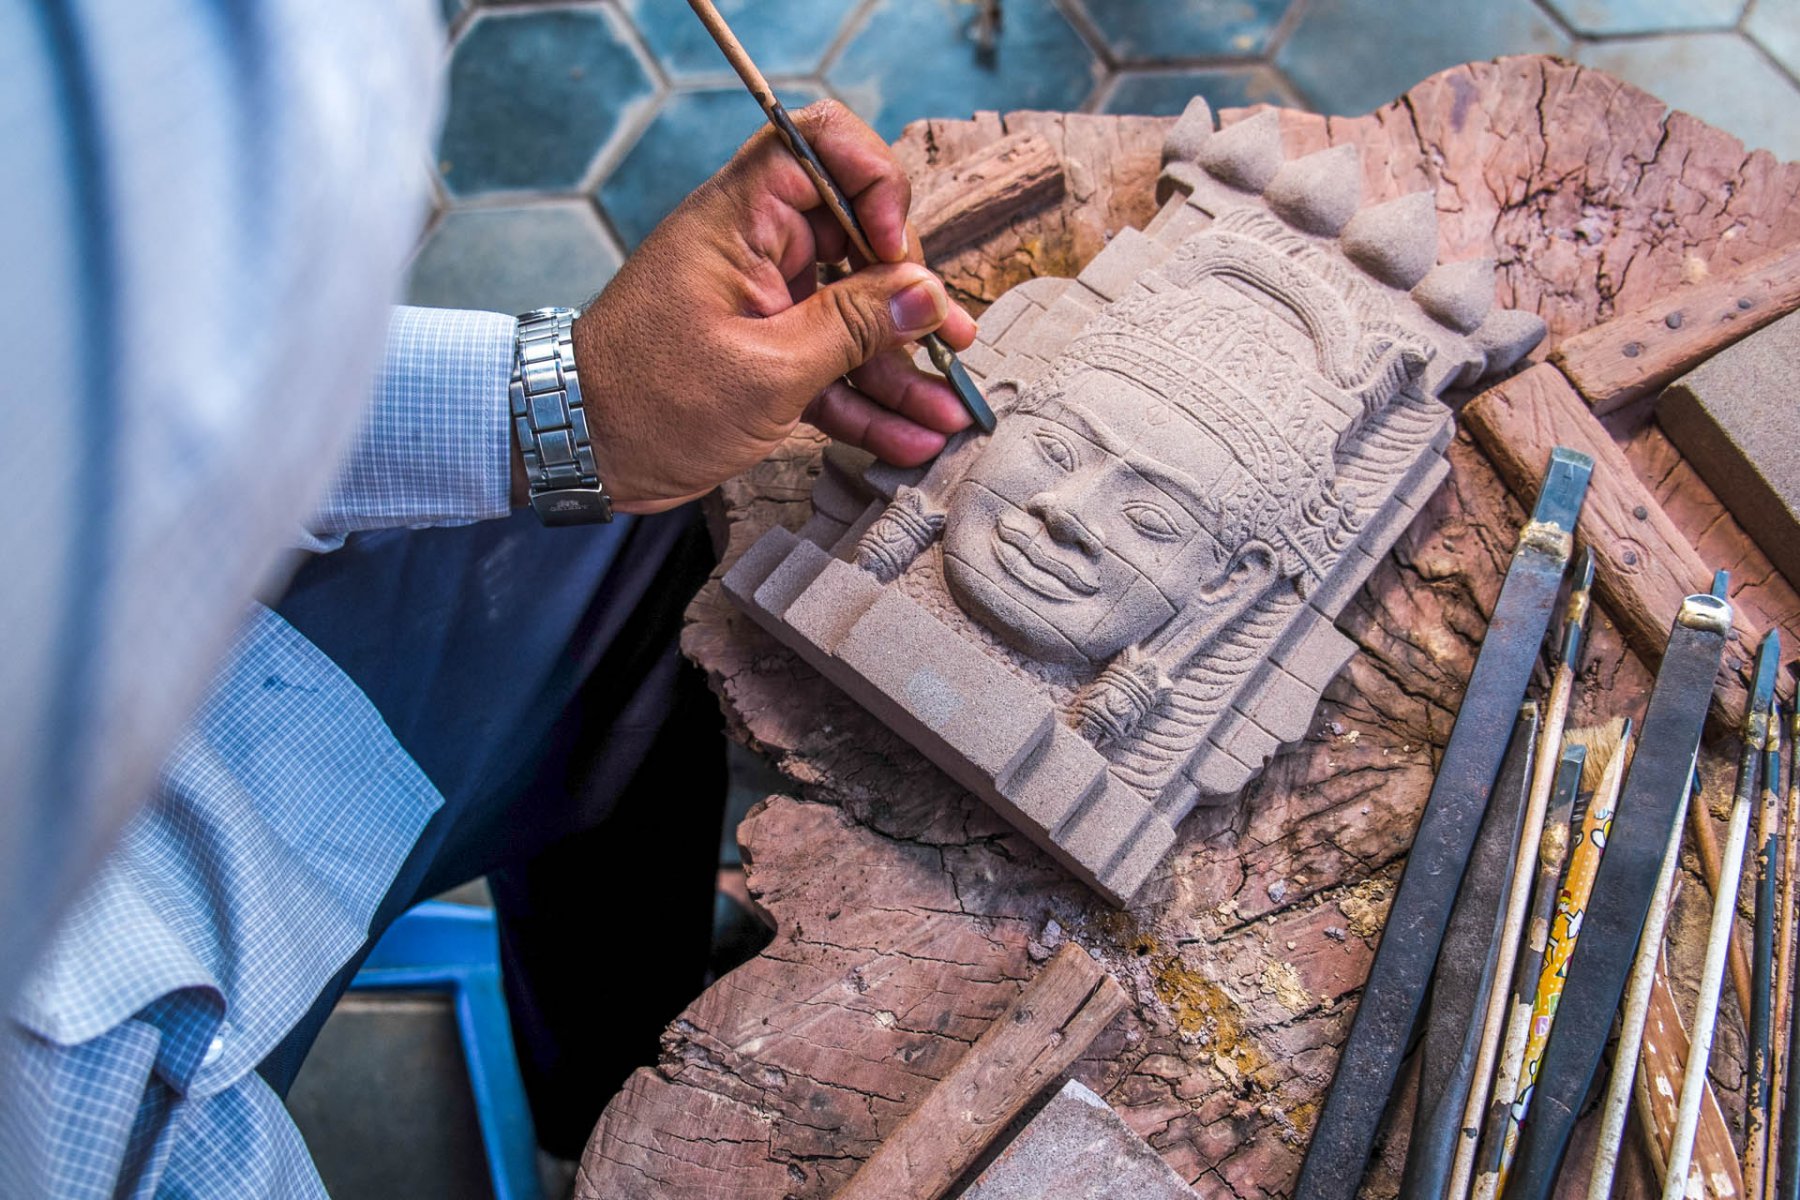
(844,324)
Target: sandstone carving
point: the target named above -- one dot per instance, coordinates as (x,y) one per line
(1120,604)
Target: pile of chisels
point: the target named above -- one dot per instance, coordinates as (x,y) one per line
(1532,912)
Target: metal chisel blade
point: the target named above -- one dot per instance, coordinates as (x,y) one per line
(1465,973)
(1440,851)
(950,366)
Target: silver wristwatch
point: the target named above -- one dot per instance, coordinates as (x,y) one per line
(550,422)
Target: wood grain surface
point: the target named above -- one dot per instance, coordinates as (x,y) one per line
(985,191)
(1051,1024)
(1714,1171)
(1640,352)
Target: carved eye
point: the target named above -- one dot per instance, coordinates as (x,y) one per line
(1056,449)
(1151,520)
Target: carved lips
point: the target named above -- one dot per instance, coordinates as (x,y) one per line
(1018,546)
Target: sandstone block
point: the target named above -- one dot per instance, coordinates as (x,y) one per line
(1283,704)
(832,603)
(1060,773)
(1077,1148)
(1733,418)
(1318,655)
(1096,833)
(1138,858)
(1114,270)
(1119,604)
(904,661)
(791,577)
(756,563)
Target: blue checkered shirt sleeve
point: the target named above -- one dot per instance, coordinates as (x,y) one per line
(281,818)
(278,822)
(207,208)
(435,446)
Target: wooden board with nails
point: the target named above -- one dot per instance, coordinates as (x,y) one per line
(908,917)
(1640,352)
(1024,1051)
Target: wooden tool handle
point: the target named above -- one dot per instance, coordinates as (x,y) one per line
(735,54)
(826,186)
(1660,1071)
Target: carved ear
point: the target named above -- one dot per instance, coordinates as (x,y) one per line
(1134,684)
(1245,578)
(1002,394)
(1217,603)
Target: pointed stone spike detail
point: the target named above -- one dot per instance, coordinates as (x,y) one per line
(1191,131)
(1459,294)
(1319,192)
(1245,155)
(1507,336)
(1396,242)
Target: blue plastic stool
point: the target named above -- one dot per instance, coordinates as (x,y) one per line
(455,948)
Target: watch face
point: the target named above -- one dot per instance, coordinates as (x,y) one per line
(573,506)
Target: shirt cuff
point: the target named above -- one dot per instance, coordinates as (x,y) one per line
(435,447)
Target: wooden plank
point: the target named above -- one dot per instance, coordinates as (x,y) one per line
(1644,562)
(1714,1170)
(980,193)
(1761,595)
(1639,353)
(1039,1037)
(1643,565)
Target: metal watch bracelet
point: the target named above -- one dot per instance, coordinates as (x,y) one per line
(550,422)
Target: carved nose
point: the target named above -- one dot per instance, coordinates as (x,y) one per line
(1064,526)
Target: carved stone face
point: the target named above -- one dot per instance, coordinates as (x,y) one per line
(1090,520)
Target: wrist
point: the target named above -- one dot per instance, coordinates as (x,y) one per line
(609,420)
(549,420)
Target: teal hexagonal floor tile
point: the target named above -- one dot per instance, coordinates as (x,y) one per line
(918,58)
(1776,25)
(1718,77)
(1351,56)
(693,136)
(1166,93)
(1136,31)
(1602,18)
(513,259)
(535,96)
(785,37)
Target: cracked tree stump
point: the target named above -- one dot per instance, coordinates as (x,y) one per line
(907,916)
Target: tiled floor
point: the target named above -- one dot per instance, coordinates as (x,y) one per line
(574,125)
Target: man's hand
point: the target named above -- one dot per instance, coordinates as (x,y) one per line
(714,340)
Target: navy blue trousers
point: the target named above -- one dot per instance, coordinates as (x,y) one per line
(534,675)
